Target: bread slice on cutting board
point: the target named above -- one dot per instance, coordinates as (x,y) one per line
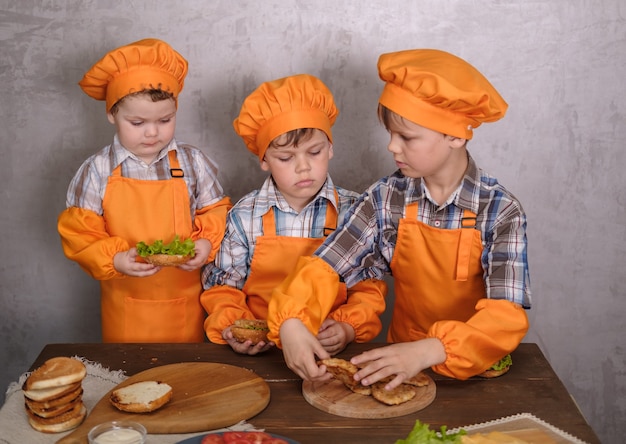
(141,397)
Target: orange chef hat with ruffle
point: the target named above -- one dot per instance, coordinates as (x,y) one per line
(279,106)
(146,64)
(439,91)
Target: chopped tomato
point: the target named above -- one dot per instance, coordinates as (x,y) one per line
(231,437)
(242,438)
(212,439)
(257,437)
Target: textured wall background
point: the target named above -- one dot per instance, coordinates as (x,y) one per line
(559,64)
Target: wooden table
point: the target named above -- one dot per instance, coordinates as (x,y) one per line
(531,386)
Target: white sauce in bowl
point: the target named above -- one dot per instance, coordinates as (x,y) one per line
(119,436)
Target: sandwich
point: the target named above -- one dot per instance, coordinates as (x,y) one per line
(174,253)
(254,330)
(498,369)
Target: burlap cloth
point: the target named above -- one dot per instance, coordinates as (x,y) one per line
(14,427)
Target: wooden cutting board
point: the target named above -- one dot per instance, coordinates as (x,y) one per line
(334,397)
(205,396)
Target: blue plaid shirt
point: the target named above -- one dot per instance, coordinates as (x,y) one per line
(245,223)
(87,188)
(364,247)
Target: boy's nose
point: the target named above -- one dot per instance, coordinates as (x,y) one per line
(302,165)
(151,130)
(392,146)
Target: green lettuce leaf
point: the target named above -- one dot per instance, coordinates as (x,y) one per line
(175,247)
(421,434)
(502,363)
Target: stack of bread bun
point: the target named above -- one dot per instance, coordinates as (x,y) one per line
(53,395)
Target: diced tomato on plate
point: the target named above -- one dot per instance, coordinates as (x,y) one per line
(242,438)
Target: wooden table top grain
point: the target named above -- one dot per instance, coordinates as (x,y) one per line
(531,386)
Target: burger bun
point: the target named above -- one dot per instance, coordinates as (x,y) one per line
(141,397)
(66,421)
(56,372)
(253,330)
(491,373)
(499,368)
(166,260)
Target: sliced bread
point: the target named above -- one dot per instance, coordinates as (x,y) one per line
(141,397)
(60,423)
(56,372)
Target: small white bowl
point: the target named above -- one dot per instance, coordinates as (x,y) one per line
(118,432)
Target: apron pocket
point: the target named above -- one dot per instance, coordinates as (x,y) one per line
(155,321)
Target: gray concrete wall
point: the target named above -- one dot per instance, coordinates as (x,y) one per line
(559,64)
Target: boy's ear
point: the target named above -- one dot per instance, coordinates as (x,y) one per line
(264,165)
(330,152)
(456,142)
(111,118)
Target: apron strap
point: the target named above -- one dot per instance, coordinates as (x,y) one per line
(468,225)
(269,223)
(330,224)
(331,216)
(175,170)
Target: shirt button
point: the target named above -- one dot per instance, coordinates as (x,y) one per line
(437,223)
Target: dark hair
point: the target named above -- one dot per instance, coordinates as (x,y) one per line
(293,137)
(385,115)
(156,95)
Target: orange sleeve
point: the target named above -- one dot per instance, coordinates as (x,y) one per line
(308,293)
(210,224)
(496,329)
(223,304)
(85,240)
(362,310)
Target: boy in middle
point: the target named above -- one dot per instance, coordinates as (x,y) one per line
(287,124)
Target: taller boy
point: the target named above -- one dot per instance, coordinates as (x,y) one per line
(451,235)
(145,186)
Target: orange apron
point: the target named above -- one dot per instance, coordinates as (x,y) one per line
(164,307)
(438,275)
(276,256)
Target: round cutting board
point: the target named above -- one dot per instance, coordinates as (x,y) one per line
(205,396)
(334,397)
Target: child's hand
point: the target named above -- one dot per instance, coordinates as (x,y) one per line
(125,262)
(245,348)
(334,336)
(300,348)
(203,249)
(404,359)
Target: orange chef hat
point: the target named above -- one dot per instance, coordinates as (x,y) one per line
(148,63)
(439,91)
(279,106)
